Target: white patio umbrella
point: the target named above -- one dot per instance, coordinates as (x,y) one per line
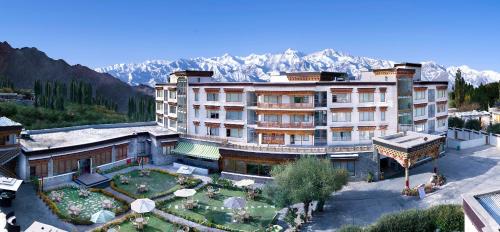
(102,216)
(142,205)
(244,183)
(235,203)
(185,193)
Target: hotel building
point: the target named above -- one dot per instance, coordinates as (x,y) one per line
(245,128)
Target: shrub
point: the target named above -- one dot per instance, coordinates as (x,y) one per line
(369,177)
(406,221)
(351,228)
(455,122)
(473,124)
(447,218)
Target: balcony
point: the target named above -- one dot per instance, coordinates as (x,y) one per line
(285,124)
(300,149)
(285,105)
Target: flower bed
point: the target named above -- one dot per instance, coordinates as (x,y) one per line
(118,168)
(159,183)
(210,211)
(89,205)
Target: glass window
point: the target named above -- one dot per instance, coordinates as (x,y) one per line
(320,118)
(419,95)
(234,115)
(272,118)
(300,99)
(366,135)
(341,136)
(172,123)
(320,99)
(213,131)
(341,97)
(272,99)
(420,111)
(366,116)
(441,122)
(341,117)
(431,110)
(382,115)
(212,97)
(159,93)
(196,129)
(420,127)
(234,97)
(441,93)
(172,94)
(172,109)
(213,114)
(441,108)
(431,95)
(382,97)
(196,96)
(196,113)
(234,132)
(365,97)
(299,118)
(348,165)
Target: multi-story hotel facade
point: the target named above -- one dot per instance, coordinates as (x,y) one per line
(258,124)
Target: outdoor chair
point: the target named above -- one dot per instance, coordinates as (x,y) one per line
(13,228)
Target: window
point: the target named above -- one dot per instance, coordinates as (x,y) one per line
(234,97)
(272,118)
(159,106)
(300,99)
(212,97)
(214,131)
(366,135)
(196,96)
(172,123)
(341,136)
(196,129)
(320,99)
(420,127)
(348,165)
(299,139)
(431,95)
(272,99)
(382,97)
(234,132)
(341,117)
(159,119)
(382,115)
(172,94)
(159,93)
(365,97)
(441,108)
(382,132)
(320,118)
(234,115)
(341,97)
(419,95)
(366,116)
(213,114)
(420,111)
(196,113)
(441,122)
(299,118)
(441,93)
(172,109)
(431,109)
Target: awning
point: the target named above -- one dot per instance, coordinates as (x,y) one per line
(197,150)
(344,156)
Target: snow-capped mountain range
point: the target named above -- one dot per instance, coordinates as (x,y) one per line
(228,68)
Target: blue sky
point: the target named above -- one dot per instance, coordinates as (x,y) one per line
(99,33)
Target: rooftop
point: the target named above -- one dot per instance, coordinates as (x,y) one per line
(410,140)
(483,208)
(491,203)
(80,135)
(4,121)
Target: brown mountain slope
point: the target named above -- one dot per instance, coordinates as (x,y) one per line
(23,66)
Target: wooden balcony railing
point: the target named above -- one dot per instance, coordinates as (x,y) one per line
(273,141)
(300,149)
(285,124)
(285,105)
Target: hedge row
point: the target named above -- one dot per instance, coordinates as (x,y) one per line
(446,218)
(78,220)
(118,168)
(126,218)
(191,183)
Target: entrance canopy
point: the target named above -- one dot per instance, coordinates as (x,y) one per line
(408,149)
(197,150)
(10,184)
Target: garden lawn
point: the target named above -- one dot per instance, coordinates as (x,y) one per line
(89,205)
(155,224)
(212,210)
(159,183)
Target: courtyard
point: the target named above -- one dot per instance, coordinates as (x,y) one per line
(362,203)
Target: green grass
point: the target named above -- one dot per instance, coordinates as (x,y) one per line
(159,183)
(262,213)
(73,115)
(89,205)
(155,224)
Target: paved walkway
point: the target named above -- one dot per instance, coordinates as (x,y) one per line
(363,203)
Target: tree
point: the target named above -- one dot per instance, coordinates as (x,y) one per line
(306,180)
(473,124)
(455,122)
